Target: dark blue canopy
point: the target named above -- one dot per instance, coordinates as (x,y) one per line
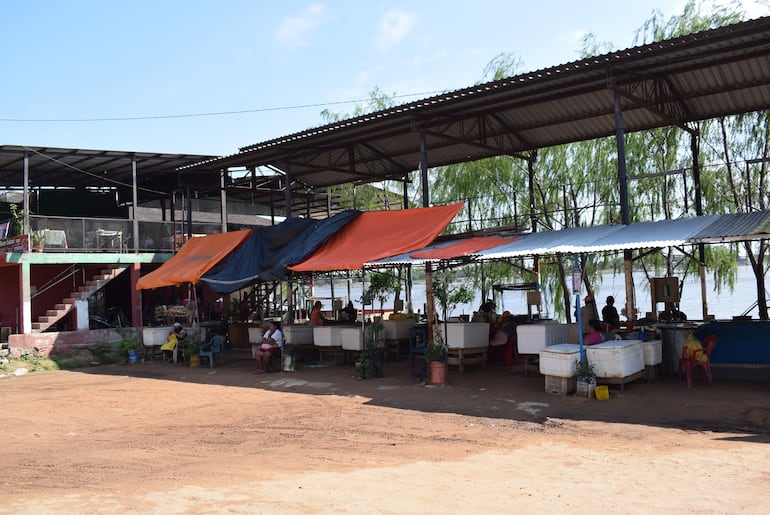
(268,250)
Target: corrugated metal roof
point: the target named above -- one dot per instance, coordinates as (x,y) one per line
(645,235)
(698,76)
(606,238)
(72,167)
(551,242)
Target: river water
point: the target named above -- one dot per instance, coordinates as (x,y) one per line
(723,305)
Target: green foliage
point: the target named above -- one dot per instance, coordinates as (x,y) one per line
(382,285)
(38,238)
(690,20)
(191,345)
(103,353)
(585,370)
(449,293)
(371,357)
(290,350)
(35,363)
(365,197)
(436,349)
(127,344)
(17,216)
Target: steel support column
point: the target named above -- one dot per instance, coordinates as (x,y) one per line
(624,210)
(424,171)
(188,208)
(135,201)
(287,192)
(223,199)
(25,188)
(695,150)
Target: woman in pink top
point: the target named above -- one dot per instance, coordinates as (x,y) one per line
(594,334)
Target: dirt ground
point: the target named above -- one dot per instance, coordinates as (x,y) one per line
(164,438)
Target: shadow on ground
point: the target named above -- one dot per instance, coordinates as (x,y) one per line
(729,405)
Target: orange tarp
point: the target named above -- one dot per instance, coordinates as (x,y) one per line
(463,248)
(195,258)
(375,235)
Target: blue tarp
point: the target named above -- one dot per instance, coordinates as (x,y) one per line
(268,250)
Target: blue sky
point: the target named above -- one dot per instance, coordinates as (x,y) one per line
(87,60)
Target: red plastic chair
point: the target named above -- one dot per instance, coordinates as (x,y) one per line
(687,363)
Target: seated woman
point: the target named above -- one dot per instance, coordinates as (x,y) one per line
(272,342)
(175,337)
(594,334)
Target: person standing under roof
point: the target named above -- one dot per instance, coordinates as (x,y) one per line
(316,318)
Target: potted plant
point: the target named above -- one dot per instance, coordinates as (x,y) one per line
(191,348)
(436,351)
(128,347)
(38,240)
(289,354)
(586,379)
(371,358)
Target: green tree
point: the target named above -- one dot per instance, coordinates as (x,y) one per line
(366,197)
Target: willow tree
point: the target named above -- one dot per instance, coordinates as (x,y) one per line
(491,190)
(660,159)
(737,182)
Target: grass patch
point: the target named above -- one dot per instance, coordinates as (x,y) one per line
(68,361)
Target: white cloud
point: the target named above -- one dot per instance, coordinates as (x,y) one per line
(292,31)
(394,26)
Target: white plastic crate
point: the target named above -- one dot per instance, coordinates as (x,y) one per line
(301,334)
(560,360)
(465,335)
(327,336)
(616,358)
(533,337)
(352,338)
(653,352)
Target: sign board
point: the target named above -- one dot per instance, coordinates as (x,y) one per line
(15,244)
(576,281)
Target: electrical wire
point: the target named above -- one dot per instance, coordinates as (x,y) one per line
(201,115)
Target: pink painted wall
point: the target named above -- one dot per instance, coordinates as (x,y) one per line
(10,300)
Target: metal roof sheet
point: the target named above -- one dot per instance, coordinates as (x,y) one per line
(71,167)
(551,242)
(606,238)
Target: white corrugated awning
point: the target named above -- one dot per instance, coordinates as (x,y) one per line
(607,238)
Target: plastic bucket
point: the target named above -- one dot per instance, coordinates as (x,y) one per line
(602,393)
(132,358)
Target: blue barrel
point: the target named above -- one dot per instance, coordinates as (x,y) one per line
(132,357)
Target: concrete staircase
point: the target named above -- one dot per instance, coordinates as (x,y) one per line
(65,306)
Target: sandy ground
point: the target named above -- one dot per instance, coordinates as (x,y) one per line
(155,438)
